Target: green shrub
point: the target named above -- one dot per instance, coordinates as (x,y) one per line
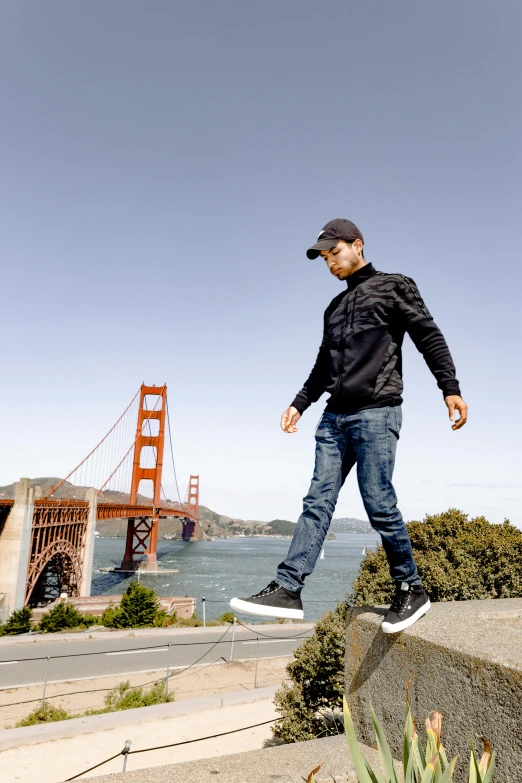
(458,559)
(123,697)
(62,616)
(45,714)
(138,607)
(188,622)
(90,619)
(110,617)
(163,619)
(20,621)
(225,619)
(317,673)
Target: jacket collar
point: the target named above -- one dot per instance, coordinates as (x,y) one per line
(362,274)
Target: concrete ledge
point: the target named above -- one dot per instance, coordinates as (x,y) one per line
(466,662)
(281,764)
(28,735)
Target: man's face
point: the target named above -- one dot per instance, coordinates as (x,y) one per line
(344,259)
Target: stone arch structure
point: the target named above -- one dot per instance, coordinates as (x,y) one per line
(58,539)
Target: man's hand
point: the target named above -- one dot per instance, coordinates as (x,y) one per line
(289,419)
(454,402)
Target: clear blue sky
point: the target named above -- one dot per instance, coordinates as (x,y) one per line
(164,167)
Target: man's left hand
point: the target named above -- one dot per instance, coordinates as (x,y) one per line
(456,403)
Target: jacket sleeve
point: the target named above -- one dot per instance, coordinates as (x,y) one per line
(315,384)
(416,319)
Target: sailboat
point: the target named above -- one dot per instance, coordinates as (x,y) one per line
(321,556)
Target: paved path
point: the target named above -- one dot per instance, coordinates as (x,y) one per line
(83,658)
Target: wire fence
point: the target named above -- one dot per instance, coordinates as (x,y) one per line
(128,752)
(254,635)
(171,672)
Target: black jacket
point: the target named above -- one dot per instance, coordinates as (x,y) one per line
(360,360)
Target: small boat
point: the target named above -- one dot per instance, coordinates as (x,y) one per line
(321,557)
(364,550)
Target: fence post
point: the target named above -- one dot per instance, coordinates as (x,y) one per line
(232,642)
(45,681)
(168,670)
(257,656)
(204,613)
(125,753)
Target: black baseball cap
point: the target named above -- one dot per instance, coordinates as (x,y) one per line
(329,236)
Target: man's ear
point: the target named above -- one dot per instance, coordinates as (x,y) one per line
(358,247)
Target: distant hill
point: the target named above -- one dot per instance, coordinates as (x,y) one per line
(350,525)
(212,524)
(280,527)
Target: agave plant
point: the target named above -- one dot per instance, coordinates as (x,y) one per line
(429,765)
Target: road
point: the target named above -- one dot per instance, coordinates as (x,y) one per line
(26,664)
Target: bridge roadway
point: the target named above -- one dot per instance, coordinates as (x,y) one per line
(23,664)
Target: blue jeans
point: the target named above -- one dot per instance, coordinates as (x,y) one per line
(368,438)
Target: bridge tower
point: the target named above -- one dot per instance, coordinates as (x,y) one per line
(190,529)
(143,529)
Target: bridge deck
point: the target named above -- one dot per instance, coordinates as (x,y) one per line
(107,510)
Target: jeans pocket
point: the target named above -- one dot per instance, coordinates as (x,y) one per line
(398,419)
(318,424)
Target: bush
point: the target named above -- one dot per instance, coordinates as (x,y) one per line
(20,621)
(138,607)
(225,619)
(123,697)
(45,714)
(317,672)
(62,616)
(189,622)
(458,559)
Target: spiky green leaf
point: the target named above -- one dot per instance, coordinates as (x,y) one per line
(429,773)
(363,771)
(488,777)
(408,735)
(384,750)
(447,777)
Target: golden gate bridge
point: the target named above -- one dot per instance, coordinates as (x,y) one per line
(47,537)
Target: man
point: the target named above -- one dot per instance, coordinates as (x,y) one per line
(360,365)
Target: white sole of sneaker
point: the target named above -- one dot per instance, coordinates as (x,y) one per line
(395,628)
(265,611)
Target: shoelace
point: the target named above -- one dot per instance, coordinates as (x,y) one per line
(399,601)
(271,588)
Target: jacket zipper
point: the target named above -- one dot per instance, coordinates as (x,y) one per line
(340,374)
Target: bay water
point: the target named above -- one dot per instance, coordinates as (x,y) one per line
(226,567)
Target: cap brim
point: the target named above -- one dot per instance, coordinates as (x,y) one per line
(323,244)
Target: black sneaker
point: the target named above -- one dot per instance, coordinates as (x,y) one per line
(408,604)
(274,601)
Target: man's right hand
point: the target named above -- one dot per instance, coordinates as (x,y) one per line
(289,419)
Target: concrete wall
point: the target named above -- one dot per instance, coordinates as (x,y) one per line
(466,662)
(88,553)
(15,540)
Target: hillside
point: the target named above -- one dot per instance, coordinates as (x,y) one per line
(212,524)
(350,525)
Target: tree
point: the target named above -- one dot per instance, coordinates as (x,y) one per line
(62,616)
(317,672)
(20,621)
(138,607)
(458,559)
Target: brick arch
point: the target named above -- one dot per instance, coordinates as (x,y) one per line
(74,566)
(58,531)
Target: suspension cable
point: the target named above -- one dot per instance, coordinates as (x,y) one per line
(94,449)
(172,455)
